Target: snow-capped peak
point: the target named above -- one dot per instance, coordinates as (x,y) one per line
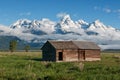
(21,23)
(66,23)
(82,22)
(66,17)
(36,26)
(97,25)
(66,20)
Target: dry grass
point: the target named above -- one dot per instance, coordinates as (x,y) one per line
(35,54)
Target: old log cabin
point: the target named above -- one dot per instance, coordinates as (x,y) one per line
(70,51)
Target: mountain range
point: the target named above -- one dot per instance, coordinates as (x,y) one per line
(36,32)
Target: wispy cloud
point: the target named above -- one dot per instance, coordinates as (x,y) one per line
(25,14)
(96,8)
(117,12)
(107,10)
(62,14)
(119,15)
(75,15)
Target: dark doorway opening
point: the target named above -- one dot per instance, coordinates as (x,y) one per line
(81,55)
(60,56)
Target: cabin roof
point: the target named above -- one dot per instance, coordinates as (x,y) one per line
(74,45)
(86,45)
(63,44)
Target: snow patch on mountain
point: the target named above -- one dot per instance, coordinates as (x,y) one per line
(66,24)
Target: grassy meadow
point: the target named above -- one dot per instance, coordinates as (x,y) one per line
(28,66)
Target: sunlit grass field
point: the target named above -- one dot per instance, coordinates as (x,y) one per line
(28,66)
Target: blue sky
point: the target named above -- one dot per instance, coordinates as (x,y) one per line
(107,11)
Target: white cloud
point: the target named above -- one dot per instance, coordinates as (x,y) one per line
(119,15)
(59,15)
(107,10)
(75,15)
(117,12)
(96,8)
(25,14)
